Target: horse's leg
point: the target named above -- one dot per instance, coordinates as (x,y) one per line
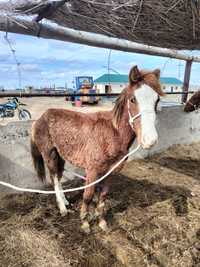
(87,198)
(56,170)
(60,165)
(62,194)
(59,197)
(100,209)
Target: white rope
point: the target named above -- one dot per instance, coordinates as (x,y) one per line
(132,118)
(76,188)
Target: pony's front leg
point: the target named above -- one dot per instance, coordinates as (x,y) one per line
(100,209)
(87,198)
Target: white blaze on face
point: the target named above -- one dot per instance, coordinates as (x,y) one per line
(146,98)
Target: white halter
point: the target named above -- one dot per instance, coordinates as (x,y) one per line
(132,118)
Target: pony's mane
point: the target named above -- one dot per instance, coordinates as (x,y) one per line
(119,107)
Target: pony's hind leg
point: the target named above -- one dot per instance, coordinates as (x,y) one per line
(62,194)
(56,167)
(59,197)
(60,171)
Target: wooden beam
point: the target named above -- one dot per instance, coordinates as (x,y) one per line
(65,94)
(186,80)
(52,31)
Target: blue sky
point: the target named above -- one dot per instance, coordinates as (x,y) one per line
(47,62)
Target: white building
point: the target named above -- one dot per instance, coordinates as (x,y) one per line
(115,83)
(111,83)
(170,84)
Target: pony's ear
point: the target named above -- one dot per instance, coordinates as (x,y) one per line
(134,75)
(157,73)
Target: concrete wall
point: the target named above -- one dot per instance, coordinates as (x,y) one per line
(174,127)
(15,158)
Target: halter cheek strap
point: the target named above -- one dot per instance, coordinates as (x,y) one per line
(132,118)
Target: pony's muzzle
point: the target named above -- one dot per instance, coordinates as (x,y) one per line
(149,141)
(149,135)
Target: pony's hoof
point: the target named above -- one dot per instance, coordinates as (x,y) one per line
(95,198)
(66,212)
(103,225)
(96,214)
(91,216)
(83,215)
(66,202)
(71,211)
(85,227)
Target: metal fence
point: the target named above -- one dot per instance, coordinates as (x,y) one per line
(62,94)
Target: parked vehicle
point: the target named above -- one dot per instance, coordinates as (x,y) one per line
(84,85)
(8,109)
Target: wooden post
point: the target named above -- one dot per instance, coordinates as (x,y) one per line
(52,31)
(186,80)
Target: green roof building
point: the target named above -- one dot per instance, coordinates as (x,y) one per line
(114,83)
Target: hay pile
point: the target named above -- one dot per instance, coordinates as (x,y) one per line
(153,214)
(170,24)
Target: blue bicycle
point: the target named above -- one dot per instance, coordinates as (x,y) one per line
(8,109)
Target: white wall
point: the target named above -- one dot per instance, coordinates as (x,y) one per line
(176,88)
(116,87)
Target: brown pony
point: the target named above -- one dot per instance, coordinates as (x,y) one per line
(96,141)
(193,103)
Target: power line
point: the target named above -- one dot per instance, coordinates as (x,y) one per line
(165,64)
(109,58)
(18,64)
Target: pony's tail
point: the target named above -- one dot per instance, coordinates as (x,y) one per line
(38,161)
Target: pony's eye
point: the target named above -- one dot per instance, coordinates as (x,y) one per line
(133,99)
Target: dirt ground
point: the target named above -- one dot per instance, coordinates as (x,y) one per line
(153,216)
(38,105)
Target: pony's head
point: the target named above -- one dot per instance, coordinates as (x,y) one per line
(193,103)
(141,98)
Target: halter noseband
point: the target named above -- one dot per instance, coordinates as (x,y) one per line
(132,118)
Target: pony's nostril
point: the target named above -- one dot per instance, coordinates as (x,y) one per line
(149,142)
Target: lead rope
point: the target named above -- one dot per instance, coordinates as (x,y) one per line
(131,120)
(76,188)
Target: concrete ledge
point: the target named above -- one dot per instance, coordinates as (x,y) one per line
(15,161)
(174,127)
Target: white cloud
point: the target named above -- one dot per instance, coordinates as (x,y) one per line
(57,62)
